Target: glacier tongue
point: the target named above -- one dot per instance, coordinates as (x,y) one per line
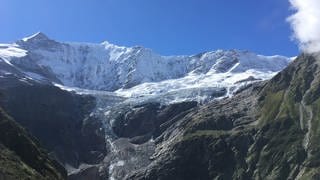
(137,71)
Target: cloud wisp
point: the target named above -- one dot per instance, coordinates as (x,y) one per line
(305,23)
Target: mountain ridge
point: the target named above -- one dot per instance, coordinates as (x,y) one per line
(136,71)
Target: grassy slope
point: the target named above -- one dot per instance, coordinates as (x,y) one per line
(294,88)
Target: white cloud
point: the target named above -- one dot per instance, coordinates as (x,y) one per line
(306,24)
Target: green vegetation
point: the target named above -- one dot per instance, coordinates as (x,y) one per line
(284,155)
(271,106)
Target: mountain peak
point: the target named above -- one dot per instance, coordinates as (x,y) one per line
(39,36)
(37,40)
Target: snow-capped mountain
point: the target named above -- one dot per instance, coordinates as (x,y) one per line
(136,97)
(135,71)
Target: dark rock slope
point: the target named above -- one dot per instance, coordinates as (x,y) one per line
(267,131)
(59,119)
(21,157)
(142,122)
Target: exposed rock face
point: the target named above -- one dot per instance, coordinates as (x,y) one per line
(209,142)
(267,131)
(142,122)
(21,157)
(59,119)
(132,133)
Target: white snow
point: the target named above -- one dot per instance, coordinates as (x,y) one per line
(31,37)
(9,51)
(34,76)
(246,68)
(82,91)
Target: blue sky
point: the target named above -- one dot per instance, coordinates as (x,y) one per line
(170,27)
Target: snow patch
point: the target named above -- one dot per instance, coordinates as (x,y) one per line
(8,52)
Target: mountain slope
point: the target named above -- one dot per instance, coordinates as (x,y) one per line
(268,131)
(292,99)
(21,157)
(59,119)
